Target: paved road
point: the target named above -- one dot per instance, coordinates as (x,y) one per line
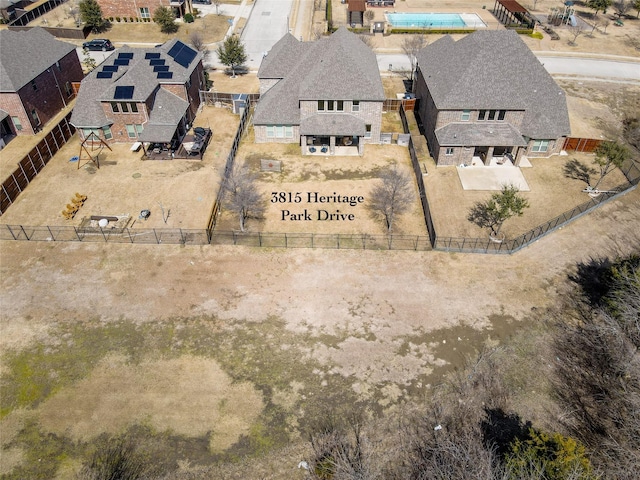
(609,68)
(268,22)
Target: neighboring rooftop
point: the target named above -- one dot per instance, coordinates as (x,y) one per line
(494,69)
(25,54)
(132,74)
(338,67)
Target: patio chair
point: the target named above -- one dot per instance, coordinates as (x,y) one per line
(312,149)
(324,149)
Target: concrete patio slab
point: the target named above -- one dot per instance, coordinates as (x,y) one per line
(491,178)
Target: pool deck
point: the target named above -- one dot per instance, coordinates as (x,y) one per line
(437,20)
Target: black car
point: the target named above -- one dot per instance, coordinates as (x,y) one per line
(202,2)
(98,44)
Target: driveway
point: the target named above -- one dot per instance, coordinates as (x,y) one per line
(268,22)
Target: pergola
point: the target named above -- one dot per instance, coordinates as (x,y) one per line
(511,13)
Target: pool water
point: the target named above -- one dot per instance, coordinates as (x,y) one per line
(435,20)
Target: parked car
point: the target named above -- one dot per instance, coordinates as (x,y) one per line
(202,2)
(98,44)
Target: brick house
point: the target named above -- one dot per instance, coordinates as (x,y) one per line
(487,96)
(141,94)
(142,9)
(326,95)
(34,91)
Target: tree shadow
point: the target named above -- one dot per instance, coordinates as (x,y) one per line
(578,171)
(501,430)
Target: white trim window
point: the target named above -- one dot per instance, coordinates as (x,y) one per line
(449,151)
(540,146)
(330,105)
(17,123)
(279,131)
(367,131)
(355,106)
(86,132)
(131,130)
(466,115)
(144,12)
(106,131)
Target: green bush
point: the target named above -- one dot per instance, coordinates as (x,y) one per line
(117,19)
(537,35)
(188,18)
(524,31)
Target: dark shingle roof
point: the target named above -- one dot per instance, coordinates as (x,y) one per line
(478,134)
(338,67)
(25,54)
(494,69)
(139,74)
(332,124)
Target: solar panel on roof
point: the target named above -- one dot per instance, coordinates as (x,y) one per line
(104,75)
(123,93)
(110,68)
(121,61)
(156,61)
(175,49)
(161,68)
(149,55)
(185,57)
(165,75)
(125,55)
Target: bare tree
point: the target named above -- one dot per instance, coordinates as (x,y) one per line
(605,24)
(411,45)
(575,31)
(622,7)
(369,15)
(217,4)
(242,195)
(609,155)
(391,197)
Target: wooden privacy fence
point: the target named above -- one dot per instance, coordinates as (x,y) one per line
(586,145)
(35,161)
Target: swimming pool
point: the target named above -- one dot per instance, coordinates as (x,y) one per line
(435,20)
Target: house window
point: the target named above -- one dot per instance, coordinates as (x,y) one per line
(466,115)
(134,107)
(86,133)
(144,12)
(139,128)
(367,131)
(33,85)
(58,65)
(330,105)
(492,114)
(449,151)
(355,106)
(320,105)
(279,131)
(36,118)
(17,123)
(482,115)
(114,107)
(131,130)
(501,114)
(124,107)
(106,131)
(340,106)
(540,146)
(67,88)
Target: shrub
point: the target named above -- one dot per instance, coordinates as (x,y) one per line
(537,35)
(188,18)
(131,19)
(111,19)
(117,19)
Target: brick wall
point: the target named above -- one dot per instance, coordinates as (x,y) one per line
(555,146)
(260,135)
(461,155)
(49,96)
(131,8)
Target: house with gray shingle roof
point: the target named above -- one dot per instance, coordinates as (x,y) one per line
(36,76)
(325,95)
(141,94)
(487,96)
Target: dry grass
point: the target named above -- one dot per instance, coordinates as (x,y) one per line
(189,396)
(346,176)
(125,183)
(551,195)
